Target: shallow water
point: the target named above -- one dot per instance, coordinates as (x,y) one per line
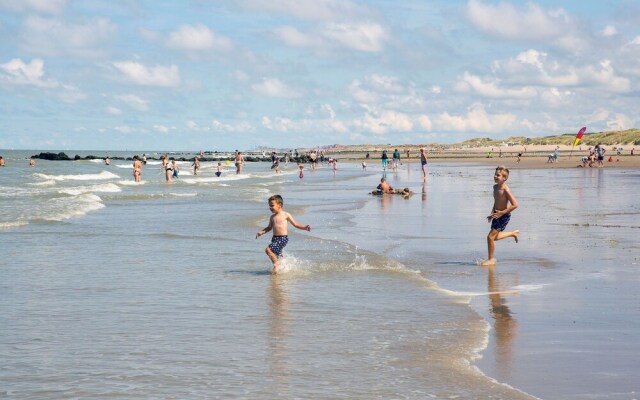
(161,290)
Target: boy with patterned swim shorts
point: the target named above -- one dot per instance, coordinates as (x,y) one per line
(504,202)
(279,223)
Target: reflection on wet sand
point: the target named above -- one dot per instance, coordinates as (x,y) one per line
(424,193)
(505,326)
(278,332)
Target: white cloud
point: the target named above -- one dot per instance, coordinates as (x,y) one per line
(476,120)
(273,87)
(366,37)
(309,10)
(38,6)
(163,129)
(491,89)
(635,41)
(134,102)
(19,73)
(240,127)
(113,110)
(192,125)
(278,124)
(535,23)
(361,94)
(240,76)
(125,129)
(425,122)
(197,38)
(294,38)
(149,76)
(49,36)
(609,30)
(606,77)
(619,122)
(535,68)
(384,122)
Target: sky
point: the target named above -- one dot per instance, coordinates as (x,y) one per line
(222,74)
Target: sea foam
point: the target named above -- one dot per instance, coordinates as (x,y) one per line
(101,188)
(80,177)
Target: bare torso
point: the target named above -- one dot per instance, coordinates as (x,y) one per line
(279,223)
(500,197)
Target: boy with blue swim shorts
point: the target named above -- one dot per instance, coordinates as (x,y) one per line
(423,163)
(279,223)
(504,202)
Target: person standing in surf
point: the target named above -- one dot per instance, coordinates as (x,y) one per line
(196,165)
(504,203)
(137,169)
(279,223)
(239,161)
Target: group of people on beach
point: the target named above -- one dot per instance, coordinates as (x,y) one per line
(170,169)
(595,154)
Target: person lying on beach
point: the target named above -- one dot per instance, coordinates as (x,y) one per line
(383,188)
(406,192)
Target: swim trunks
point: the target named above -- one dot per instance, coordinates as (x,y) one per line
(500,224)
(277,244)
(424,163)
(385,162)
(218,173)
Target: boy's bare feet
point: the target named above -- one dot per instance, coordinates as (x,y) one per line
(489,262)
(274,270)
(515,235)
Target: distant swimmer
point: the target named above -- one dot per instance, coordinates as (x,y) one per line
(278,222)
(32,162)
(219,171)
(144,159)
(196,165)
(504,203)
(275,162)
(1,162)
(301,168)
(137,169)
(107,161)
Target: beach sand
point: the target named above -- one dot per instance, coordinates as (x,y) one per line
(535,157)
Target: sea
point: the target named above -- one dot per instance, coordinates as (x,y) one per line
(117,290)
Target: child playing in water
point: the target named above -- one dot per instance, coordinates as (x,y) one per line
(301,168)
(279,223)
(219,171)
(504,202)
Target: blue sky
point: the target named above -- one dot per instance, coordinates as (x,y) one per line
(221,75)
